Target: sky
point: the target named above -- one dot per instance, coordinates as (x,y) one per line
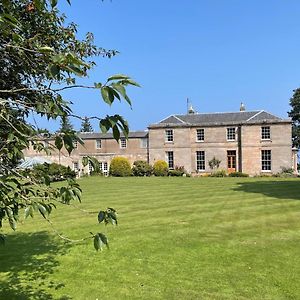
(218,53)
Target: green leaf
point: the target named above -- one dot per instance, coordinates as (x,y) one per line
(53,3)
(28,212)
(42,210)
(97,242)
(116,133)
(104,239)
(101,216)
(58,142)
(46,49)
(85,161)
(12,223)
(118,77)
(107,95)
(68,142)
(53,70)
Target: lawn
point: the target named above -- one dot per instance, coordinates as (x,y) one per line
(178,238)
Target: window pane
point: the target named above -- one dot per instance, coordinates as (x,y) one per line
(169,135)
(266,160)
(200,160)
(265,133)
(200,134)
(170,157)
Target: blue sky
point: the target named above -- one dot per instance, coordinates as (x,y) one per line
(216,52)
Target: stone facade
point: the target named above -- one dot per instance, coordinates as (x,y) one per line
(261,143)
(250,142)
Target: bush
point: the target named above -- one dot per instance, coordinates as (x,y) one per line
(214,163)
(160,168)
(285,173)
(141,168)
(178,171)
(56,172)
(221,173)
(238,174)
(120,167)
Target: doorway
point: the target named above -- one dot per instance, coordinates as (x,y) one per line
(231,161)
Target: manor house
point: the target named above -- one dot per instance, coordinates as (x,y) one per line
(253,142)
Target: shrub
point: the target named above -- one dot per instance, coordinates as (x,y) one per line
(178,171)
(214,163)
(120,167)
(160,168)
(220,173)
(55,172)
(238,174)
(285,173)
(141,168)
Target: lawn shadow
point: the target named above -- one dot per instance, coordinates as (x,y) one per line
(27,261)
(279,189)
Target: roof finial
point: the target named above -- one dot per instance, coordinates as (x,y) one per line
(242,107)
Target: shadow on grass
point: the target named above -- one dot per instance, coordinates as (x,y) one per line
(26,264)
(275,188)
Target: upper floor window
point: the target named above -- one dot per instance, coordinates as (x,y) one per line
(265,133)
(144,143)
(169,135)
(123,143)
(170,158)
(231,134)
(200,135)
(98,144)
(266,160)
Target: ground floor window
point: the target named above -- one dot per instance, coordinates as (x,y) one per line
(75,166)
(91,169)
(200,160)
(266,160)
(104,167)
(170,158)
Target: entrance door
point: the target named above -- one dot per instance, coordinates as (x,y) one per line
(231,161)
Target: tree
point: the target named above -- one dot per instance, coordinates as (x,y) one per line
(294,113)
(86,125)
(40,56)
(65,124)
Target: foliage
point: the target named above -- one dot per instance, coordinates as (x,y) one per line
(120,167)
(40,57)
(220,173)
(214,163)
(160,168)
(141,168)
(86,125)
(54,171)
(178,171)
(238,174)
(285,173)
(65,125)
(294,113)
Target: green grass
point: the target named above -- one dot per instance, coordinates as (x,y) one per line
(178,238)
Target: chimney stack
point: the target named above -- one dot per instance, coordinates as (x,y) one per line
(242,107)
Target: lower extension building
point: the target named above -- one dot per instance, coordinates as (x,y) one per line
(253,142)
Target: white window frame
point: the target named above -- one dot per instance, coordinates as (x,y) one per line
(265,133)
(266,160)
(169,135)
(76,166)
(104,167)
(123,143)
(98,143)
(170,159)
(144,143)
(231,134)
(200,135)
(200,161)
(91,169)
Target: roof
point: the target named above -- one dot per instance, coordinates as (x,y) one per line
(30,162)
(217,119)
(109,135)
